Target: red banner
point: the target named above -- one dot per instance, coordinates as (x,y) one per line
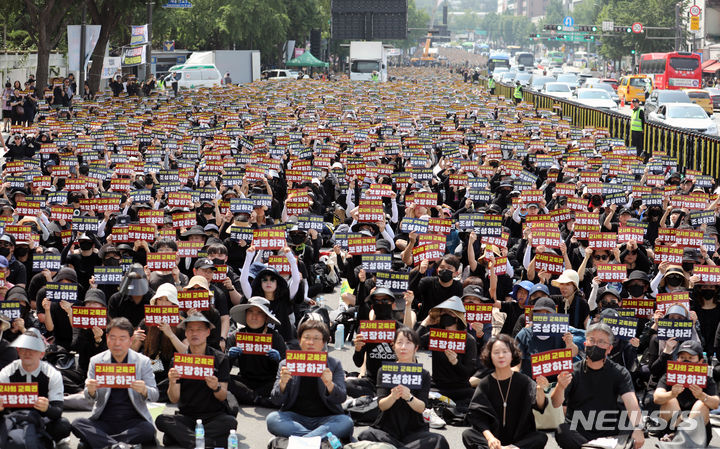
(194,299)
(306,363)
(19,395)
(89,317)
(478,313)
(686,374)
(155,315)
(257,344)
(552,362)
(192,366)
(114,375)
(441,340)
(377,331)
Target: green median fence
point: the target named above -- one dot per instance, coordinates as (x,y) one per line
(693,150)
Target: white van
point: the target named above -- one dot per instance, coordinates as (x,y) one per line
(194,75)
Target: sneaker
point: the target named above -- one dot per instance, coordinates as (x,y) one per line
(430,417)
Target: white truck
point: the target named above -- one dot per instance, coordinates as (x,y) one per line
(366,58)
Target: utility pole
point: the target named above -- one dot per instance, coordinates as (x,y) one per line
(81,65)
(148,67)
(677,26)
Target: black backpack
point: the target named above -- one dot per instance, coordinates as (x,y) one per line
(318,274)
(24,429)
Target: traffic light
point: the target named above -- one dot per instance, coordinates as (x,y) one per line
(587,28)
(622,29)
(628,29)
(589,38)
(537,35)
(552,27)
(632,52)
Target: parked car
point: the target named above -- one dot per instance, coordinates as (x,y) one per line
(715,97)
(278,74)
(607,88)
(190,76)
(558,90)
(632,87)
(523,77)
(595,98)
(688,116)
(701,98)
(660,97)
(570,79)
(538,81)
(611,81)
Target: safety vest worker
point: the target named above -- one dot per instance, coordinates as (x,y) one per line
(518,93)
(637,119)
(491,85)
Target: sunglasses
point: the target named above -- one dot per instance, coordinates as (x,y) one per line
(601,257)
(632,252)
(268,279)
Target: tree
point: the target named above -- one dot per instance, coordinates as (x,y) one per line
(108,14)
(48,19)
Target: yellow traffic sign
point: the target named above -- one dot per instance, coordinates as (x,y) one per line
(694,23)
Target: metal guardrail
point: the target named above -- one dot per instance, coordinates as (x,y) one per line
(693,150)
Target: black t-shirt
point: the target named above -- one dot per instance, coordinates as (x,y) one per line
(594,390)
(400,419)
(124,306)
(197,400)
(430,293)
(118,407)
(308,402)
(686,398)
(18,274)
(84,266)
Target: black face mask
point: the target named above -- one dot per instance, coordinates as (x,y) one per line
(111,262)
(610,305)
(383,311)
(4,252)
(218,261)
(447,321)
(595,353)
(688,266)
(445,275)
(85,245)
(21,251)
(207,210)
(707,294)
(636,291)
(674,281)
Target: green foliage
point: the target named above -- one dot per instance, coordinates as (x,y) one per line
(506,29)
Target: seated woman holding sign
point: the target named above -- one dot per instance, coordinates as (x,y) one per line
(257,359)
(451,368)
(311,405)
(501,408)
(401,420)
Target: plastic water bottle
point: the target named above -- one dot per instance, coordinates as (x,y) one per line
(340,336)
(199,435)
(232,440)
(334,441)
(320,300)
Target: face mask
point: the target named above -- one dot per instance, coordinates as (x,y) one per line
(111,262)
(218,261)
(636,291)
(207,210)
(674,281)
(707,294)
(383,311)
(21,251)
(445,275)
(595,353)
(447,321)
(85,245)
(688,266)
(610,305)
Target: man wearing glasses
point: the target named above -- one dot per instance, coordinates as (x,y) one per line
(590,394)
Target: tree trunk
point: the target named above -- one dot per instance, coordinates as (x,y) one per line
(43,58)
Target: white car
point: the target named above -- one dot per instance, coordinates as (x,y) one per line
(498,73)
(594,98)
(279,74)
(688,116)
(557,90)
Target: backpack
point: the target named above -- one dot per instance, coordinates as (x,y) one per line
(319,273)
(24,429)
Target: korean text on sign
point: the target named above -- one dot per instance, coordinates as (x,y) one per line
(258,344)
(622,328)
(551,362)
(194,299)
(442,340)
(686,374)
(306,363)
(191,366)
(407,374)
(89,317)
(643,307)
(56,292)
(478,313)
(155,315)
(680,330)
(19,395)
(269,239)
(114,375)
(377,331)
(549,324)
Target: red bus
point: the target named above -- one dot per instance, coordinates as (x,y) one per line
(676,70)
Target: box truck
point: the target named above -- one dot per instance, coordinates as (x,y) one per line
(366,58)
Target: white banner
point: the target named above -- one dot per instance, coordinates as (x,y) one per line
(92,33)
(133,56)
(138,35)
(111,66)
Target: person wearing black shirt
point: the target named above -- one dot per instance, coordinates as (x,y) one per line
(373,355)
(119,415)
(203,400)
(255,381)
(116,86)
(694,399)
(501,410)
(18,275)
(594,386)
(89,342)
(85,260)
(134,294)
(431,291)
(310,406)
(48,408)
(7,352)
(451,371)
(401,422)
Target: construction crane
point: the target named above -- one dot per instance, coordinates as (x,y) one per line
(430,55)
